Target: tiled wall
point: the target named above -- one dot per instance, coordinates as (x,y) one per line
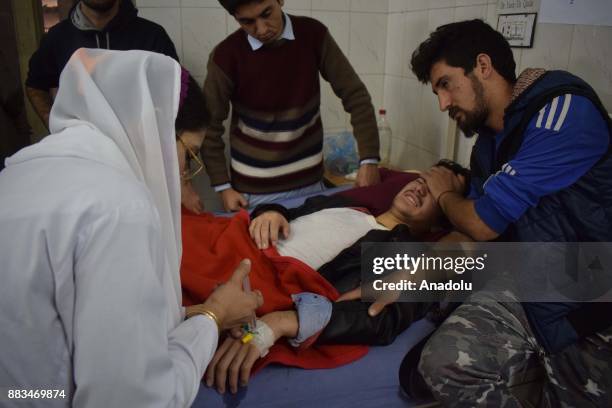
(378,36)
(420,139)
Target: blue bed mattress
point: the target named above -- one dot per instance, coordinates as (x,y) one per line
(369,382)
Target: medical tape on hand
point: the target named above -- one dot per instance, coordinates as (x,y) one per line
(263,338)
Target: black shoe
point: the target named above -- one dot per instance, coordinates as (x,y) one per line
(411,381)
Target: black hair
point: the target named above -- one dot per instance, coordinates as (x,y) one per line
(458,44)
(458,169)
(232,5)
(193,113)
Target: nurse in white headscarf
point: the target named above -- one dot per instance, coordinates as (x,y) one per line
(90,246)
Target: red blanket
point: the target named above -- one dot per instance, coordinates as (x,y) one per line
(214,246)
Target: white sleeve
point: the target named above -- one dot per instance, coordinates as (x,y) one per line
(125,355)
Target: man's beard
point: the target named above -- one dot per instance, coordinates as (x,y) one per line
(101,6)
(476,118)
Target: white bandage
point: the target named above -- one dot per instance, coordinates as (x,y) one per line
(263,338)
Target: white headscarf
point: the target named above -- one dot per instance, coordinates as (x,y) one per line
(131,98)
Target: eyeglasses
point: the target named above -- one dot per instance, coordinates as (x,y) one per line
(193,164)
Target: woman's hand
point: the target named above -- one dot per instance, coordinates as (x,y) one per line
(230,303)
(386,298)
(232,363)
(265,228)
(233,360)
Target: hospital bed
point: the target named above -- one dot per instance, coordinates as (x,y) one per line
(371,381)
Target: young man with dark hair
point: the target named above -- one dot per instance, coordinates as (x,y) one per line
(107,24)
(269,72)
(540,172)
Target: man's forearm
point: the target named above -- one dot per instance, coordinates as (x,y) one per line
(41,101)
(217,90)
(461,212)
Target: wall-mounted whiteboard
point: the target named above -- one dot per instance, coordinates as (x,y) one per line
(586,12)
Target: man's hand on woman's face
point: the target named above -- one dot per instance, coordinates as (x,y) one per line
(440,179)
(265,229)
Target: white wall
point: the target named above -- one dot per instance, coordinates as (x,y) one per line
(378,36)
(358,26)
(413,109)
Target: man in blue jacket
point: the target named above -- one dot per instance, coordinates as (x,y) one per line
(541,171)
(107,24)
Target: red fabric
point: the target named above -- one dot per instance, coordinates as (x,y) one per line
(214,246)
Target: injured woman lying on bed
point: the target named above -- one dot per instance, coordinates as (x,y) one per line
(324,235)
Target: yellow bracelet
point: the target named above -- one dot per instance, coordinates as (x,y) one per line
(201,310)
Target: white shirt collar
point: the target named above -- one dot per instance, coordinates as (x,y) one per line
(287,34)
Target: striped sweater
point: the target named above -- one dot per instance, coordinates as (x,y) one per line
(276,134)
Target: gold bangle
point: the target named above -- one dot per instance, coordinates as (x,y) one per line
(201,310)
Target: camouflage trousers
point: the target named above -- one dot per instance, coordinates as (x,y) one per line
(485,355)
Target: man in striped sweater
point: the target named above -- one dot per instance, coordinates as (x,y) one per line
(269,72)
